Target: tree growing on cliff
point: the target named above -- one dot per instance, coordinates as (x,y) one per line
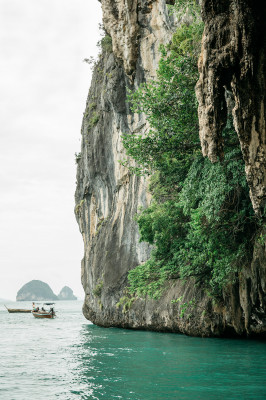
(200,221)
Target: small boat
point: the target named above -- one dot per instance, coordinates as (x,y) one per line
(42,313)
(17,310)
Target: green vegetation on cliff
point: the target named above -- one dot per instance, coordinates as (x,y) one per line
(200,221)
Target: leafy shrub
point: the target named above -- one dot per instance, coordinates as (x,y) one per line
(201,221)
(106,44)
(94,119)
(98,289)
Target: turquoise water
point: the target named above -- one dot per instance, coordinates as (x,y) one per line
(68,358)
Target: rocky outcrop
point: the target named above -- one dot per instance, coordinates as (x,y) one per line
(137,28)
(35,291)
(245,302)
(120,19)
(108,196)
(232,70)
(233,63)
(66,294)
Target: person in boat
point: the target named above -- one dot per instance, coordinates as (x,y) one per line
(43,309)
(52,310)
(35,309)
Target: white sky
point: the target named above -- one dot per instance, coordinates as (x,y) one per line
(43,90)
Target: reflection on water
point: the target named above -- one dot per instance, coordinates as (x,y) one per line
(135,365)
(70,359)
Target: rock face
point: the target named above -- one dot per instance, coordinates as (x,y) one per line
(35,291)
(108,196)
(66,294)
(233,63)
(232,70)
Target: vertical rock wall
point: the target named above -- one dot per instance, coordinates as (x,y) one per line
(233,60)
(232,66)
(108,197)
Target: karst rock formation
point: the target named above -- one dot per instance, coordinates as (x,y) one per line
(232,64)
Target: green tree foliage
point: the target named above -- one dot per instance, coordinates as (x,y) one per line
(105,44)
(200,221)
(172,142)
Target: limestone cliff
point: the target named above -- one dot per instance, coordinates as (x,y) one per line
(108,196)
(232,70)
(233,63)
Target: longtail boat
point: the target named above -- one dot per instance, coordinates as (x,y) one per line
(17,310)
(42,314)
(37,313)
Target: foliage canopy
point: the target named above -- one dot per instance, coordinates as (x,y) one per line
(200,221)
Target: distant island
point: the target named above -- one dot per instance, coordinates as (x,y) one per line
(66,294)
(36,290)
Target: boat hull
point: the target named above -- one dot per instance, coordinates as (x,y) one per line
(42,315)
(17,310)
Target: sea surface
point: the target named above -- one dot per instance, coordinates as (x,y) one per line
(68,358)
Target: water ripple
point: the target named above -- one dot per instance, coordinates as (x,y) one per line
(70,359)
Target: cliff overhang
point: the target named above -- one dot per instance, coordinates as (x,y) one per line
(233,65)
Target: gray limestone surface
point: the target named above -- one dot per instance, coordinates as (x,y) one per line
(108,197)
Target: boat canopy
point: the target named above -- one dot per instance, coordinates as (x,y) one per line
(48,304)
